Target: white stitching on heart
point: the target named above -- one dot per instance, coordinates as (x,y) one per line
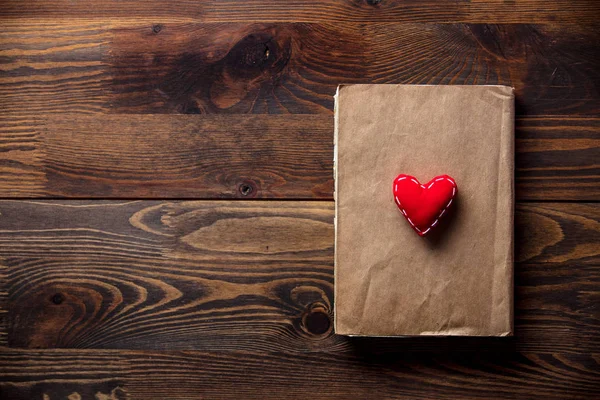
(441,213)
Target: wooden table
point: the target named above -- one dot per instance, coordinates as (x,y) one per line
(166,169)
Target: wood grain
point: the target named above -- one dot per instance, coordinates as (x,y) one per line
(396,376)
(174,67)
(214,156)
(557,158)
(53,67)
(246,156)
(486,11)
(538,61)
(3,304)
(246,68)
(21,170)
(54,375)
(257,375)
(295,68)
(538,225)
(108,269)
(197,275)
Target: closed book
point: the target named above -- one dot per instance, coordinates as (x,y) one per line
(457,280)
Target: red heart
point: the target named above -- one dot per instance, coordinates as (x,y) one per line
(424,205)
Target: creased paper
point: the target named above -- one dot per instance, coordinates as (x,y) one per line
(388,280)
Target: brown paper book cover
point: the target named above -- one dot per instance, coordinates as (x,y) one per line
(458,280)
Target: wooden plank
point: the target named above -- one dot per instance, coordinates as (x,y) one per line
(246,156)
(295,68)
(54,375)
(395,376)
(174,67)
(21,169)
(538,225)
(3,303)
(535,60)
(217,275)
(252,374)
(557,158)
(152,264)
(485,11)
(51,67)
(192,156)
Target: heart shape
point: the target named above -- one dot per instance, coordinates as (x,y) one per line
(424,205)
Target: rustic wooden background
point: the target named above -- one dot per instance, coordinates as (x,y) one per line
(166,169)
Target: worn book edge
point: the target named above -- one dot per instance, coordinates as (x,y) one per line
(335,192)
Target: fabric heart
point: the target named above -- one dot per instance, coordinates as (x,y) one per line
(424,205)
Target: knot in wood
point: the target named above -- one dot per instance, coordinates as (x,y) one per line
(57,298)
(258,54)
(316,320)
(247,188)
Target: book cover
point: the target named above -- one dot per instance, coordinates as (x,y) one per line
(459,279)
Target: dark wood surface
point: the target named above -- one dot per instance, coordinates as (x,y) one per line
(165,235)
(133,66)
(485,11)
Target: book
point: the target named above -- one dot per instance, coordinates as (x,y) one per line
(457,281)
